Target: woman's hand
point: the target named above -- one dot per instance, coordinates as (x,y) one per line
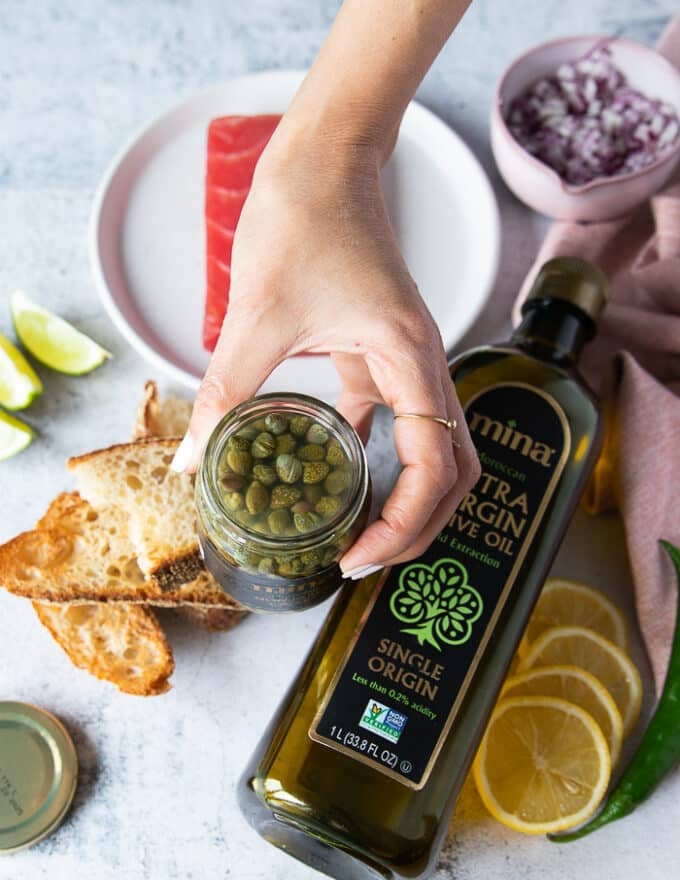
(316,268)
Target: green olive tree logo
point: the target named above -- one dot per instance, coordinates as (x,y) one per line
(437,602)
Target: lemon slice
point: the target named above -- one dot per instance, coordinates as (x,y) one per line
(19,384)
(578,646)
(53,341)
(543,765)
(14,436)
(577,686)
(568,603)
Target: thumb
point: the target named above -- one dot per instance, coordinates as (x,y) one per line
(245,355)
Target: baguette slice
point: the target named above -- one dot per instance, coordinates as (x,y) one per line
(78,555)
(156,418)
(157,503)
(123,644)
(169,417)
(120,643)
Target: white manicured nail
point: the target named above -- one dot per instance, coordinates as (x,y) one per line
(183,455)
(361,572)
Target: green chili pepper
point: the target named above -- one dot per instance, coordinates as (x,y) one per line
(659,750)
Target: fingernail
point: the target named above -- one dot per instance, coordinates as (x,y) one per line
(183,455)
(361,572)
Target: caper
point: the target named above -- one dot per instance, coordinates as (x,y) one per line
(232,482)
(312,492)
(302,507)
(263,445)
(246,557)
(279,521)
(335,454)
(311,559)
(299,425)
(337,482)
(257,497)
(265,473)
(328,506)
(312,452)
(285,444)
(330,555)
(238,442)
(267,565)
(233,501)
(250,432)
(288,468)
(245,518)
(260,527)
(306,522)
(284,496)
(317,434)
(289,567)
(314,471)
(276,423)
(259,424)
(240,462)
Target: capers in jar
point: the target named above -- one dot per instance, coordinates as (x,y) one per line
(328,506)
(335,455)
(314,471)
(265,473)
(312,452)
(299,425)
(232,482)
(257,497)
(277,423)
(306,522)
(317,434)
(239,461)
(336,482)
(288,468)
(279,521)
(284,496)
(285,444)
(285,476)
(263,445)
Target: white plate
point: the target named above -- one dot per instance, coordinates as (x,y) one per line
(147,235)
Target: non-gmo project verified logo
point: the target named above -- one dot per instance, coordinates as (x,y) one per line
(383,721)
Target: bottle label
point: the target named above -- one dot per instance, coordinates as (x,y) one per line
(398,688)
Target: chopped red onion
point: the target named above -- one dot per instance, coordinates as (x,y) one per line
(586,122)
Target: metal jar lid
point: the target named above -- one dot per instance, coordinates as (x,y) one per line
(38,774)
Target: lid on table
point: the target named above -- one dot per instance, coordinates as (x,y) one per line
(38,774)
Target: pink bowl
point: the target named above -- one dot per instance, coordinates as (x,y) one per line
(539,186)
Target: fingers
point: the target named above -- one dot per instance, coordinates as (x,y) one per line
(432,484)
(359,393)
(247,351)
(410,384)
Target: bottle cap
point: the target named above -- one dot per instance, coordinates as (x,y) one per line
(573,280)
(38,774)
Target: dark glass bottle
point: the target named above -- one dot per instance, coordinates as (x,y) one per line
(358,773)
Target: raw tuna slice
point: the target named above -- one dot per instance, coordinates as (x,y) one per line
(235,144)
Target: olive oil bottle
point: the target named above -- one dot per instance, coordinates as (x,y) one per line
(358,773)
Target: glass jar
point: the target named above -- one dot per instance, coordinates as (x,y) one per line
(282,491)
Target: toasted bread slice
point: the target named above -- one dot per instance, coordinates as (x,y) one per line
(123,644)
(156,418)
(78,555)
(167,418)
(158,504)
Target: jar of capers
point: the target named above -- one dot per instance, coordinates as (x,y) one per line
(282,491)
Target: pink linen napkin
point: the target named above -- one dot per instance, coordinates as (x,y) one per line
(634,363)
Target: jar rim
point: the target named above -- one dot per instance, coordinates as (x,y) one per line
(207,476)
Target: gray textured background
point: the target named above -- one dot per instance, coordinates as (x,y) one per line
(156,799)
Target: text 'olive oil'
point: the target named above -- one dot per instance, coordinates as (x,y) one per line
(358,773)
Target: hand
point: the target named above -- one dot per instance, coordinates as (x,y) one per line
(316,268)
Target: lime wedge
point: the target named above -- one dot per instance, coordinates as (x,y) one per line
(18,383)
(14,435)
(53,341)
